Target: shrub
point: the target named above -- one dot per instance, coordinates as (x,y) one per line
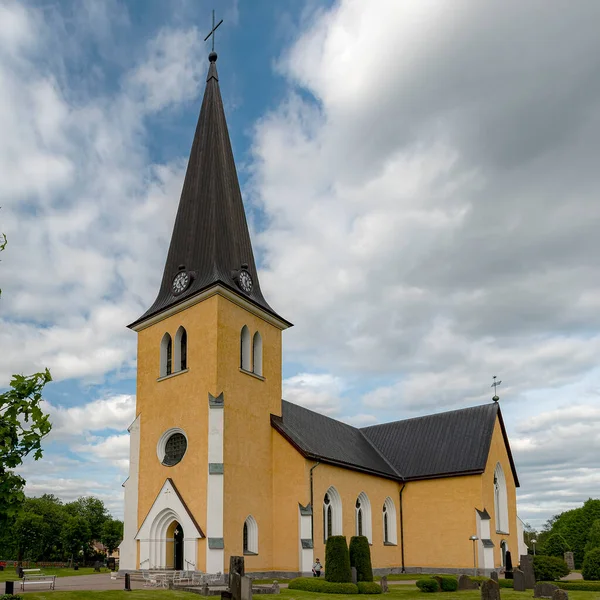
(360,557)
(591,565)
(368,587)
(582,586)
(428,585)
(556,545)
(11,597)
(549,568)
(506,583)
(315,584)
(448,583)
(337,560)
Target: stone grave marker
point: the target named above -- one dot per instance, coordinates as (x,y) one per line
(354,576)
(570,560)
(383,582)
(527,567)
(276,587)
(544,590)
(465,583)
(235,586)
(246,588)
(494,575)
(490,590)
(97,566)
(519,580)
(560,595)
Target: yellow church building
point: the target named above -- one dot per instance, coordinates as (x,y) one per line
(220,465)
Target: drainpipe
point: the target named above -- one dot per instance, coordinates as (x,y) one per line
(312,508)
(402,528)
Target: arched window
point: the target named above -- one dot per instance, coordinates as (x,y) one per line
(180,354)
(500,500)
(250,535)
(245,348)
(257,354)
(390,535)
(332,513)
(363,517)
(166,350)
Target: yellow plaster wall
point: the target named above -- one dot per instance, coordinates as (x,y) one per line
(498,454)
(177,401)
(290,486)
(349,485)
(248,479)
(439,518)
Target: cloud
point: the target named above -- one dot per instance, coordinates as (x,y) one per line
(319,392)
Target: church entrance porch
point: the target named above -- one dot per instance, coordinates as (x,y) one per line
(174,547)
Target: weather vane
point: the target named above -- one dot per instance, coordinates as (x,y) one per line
(212,31)
(495,386)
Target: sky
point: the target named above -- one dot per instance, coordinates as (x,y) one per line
(421,182)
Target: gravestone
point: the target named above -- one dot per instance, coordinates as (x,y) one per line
(235,586)
(494,575)
(560,595)
(97,566)
(570,560)
(490,590)
(236,565)
(384,584)
(544,590)
(276,587)
(246,588)
(465,583)
(204,589)
(527,567)
(508,571)
(111,563)
(354,576)
(519,580)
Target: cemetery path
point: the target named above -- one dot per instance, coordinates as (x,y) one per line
(100,582)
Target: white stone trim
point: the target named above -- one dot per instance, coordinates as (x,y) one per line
(485,556)
(152,536)
(245,349)
(257,354)
(500,500)
(128,547)
(367,521)
(162,442)
(336,513)
(176,362)
(252,527)
(215,557)
(164,345)
(213,291)
(305,532)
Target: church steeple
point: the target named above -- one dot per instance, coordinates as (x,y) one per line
(210,244)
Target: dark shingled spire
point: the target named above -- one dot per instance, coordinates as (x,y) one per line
(210,238)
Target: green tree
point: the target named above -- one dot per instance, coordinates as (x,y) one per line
(52,510)
(591,565)
(29,530)
(360,557)
(556,545)
(75,536)
(337,560)
(93,511)
(593,538)
(112,534)
(23,425)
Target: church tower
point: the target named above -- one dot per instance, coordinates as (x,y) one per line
(208,379)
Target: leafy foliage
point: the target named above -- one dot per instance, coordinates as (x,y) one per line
(316,584)
(75,535)
(549,568)
(582,586)
(593,539)
(556,545)
(112,534)
(591,565)
(11,597)
(428,585)
(368,587)
(447,583)
(337,560)
(360,557)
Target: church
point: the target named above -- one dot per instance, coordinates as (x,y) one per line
(220,465)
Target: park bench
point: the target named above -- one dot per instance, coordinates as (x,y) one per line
(29,579)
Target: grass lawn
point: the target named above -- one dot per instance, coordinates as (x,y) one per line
(408,592)
(11,575)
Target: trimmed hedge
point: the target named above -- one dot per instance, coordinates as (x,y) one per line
(337,560)
(591,565)
(11,597)
(360,557)
(582,586)
(368,587)
(316,584)
(428,585)
(448,583)
(549,568)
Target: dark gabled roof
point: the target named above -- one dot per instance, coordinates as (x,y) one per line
(440,445)
(210,237)
(322,438)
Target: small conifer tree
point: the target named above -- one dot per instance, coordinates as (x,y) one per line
(360,558)
(337,560)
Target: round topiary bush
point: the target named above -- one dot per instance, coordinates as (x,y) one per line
(320,586)
(549,568)
(591,565)
(448,583)
(428,585)
(360,557)
(337,560)
(368,587)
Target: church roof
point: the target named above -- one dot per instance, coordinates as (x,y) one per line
(440,445)
(210,237)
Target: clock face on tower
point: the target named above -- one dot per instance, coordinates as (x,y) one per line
(181,281)
(245,281)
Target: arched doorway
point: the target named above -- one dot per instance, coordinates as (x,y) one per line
(175,556)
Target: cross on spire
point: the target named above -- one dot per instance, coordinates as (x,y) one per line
(212,31)
(495,386)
